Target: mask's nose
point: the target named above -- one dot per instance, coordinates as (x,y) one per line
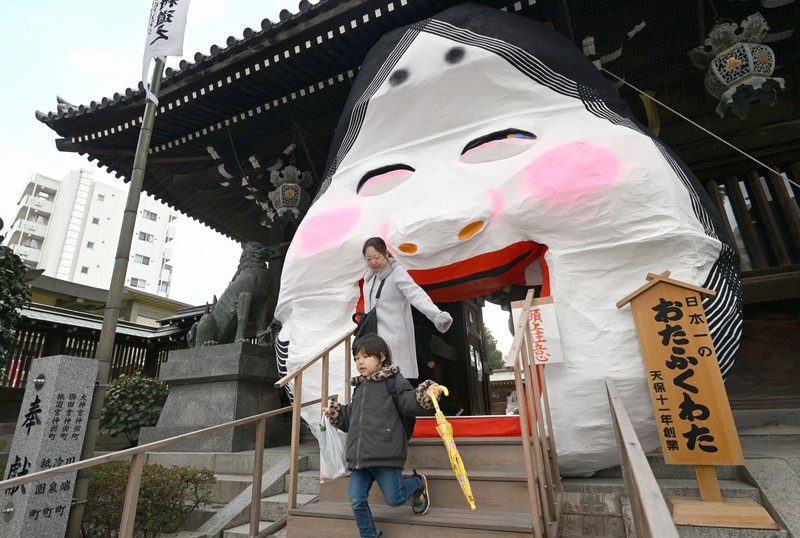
(466,233)
(471,230)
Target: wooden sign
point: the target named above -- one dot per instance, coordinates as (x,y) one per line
(691,407)
(545,338)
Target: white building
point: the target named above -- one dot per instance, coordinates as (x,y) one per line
(70,228)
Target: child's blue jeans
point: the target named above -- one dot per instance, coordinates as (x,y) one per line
(395,489)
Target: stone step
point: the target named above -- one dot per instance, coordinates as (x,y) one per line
(672,487)
(767,421)
(235,462)
(663,470)
(337,520)
(274,507)
(228,486)
(307,482)
(243,531)
(201,514)
(771,446)
(492,490)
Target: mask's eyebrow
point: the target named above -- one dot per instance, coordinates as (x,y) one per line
(380,171)
(498,135)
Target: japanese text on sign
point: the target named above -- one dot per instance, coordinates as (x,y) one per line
(691,408)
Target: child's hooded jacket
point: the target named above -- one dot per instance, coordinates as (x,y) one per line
(375,430)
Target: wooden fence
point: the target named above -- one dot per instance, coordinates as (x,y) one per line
(761,212)
(131,354)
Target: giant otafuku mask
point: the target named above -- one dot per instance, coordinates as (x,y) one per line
(471,141)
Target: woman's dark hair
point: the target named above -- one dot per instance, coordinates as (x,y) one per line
(373,345)
(377,243)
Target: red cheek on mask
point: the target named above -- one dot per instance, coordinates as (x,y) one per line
(571,171)
(325,230)
(384,234)
(498,205)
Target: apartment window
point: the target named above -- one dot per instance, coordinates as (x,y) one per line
(95,220)
(167,267)
(149,215)
(138,282)
(146,237)
(84,270)
(164,287)
(144,260)
(90,244)
(101,197)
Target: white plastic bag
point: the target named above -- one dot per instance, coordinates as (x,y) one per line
(332,464)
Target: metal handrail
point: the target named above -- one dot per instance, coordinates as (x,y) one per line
(541,463)
(651,517)
(297,397)
(326,350)
(138,455)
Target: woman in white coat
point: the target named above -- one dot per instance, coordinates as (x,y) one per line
(399,293)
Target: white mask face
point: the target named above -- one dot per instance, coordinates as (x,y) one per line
(469,167)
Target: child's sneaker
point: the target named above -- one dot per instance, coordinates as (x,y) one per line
(421,501)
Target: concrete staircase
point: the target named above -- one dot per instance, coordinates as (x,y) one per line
(594,506)
(496,475)
(228,515)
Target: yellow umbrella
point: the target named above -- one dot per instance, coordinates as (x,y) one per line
(445,430)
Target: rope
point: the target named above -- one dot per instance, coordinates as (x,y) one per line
(701,127)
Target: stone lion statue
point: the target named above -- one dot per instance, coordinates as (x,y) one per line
(248,294)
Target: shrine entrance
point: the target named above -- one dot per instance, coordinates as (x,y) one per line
(457,358)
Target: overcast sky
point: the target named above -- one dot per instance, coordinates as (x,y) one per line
(84,51)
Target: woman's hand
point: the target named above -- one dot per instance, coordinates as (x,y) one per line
(326,412)
(443,321)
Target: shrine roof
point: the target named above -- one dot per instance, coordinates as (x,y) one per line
(286,83)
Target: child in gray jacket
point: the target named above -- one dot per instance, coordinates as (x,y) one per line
(376,441)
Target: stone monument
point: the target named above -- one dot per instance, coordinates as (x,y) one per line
(49,433)
(216,384)
(222,377)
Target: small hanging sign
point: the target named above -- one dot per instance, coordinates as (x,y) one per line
(545,338)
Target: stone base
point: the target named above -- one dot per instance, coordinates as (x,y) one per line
(217,384)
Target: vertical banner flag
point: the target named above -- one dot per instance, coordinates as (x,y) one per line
(164,35)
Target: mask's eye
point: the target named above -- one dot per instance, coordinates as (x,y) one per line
(384,179)
(497,146)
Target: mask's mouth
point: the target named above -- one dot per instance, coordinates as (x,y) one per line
(478,275)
